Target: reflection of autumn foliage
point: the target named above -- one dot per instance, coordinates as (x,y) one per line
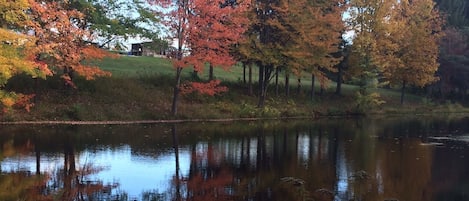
(210,181)
(22,186)
(70,182)
(211,88)
(210,187)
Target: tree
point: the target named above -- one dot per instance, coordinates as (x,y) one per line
(187,20)
(266,39)
(109,20)
(454,51)
(456,12)
(62,41)
(16,52)
(215,27)
(318,36)
(366,17)
(407,51)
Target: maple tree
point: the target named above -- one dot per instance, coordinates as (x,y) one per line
(61,41)
(214,27)
(204,31)
(407,51)
(365,21)
(265,40)
(294,36)
(318,27)
(15,52)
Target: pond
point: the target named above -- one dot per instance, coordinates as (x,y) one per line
(369,159)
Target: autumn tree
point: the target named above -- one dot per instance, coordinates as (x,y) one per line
(266,39)
(214,27)
(317,29)
(62,40)
(407,50)
(204,31)
(365,21)
(16,52)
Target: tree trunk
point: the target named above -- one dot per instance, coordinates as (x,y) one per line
(176,91)
(260,104)
(36,90)
(298,88)
(276,81)
(338,89)
(312,87)
(38,158)
(177,167)
(250,81)
(244,73)
(287,84)
(321,89)
(210,72)
(403,92)
(265,72)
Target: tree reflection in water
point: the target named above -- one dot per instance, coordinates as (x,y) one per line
(67,183)
(323,160)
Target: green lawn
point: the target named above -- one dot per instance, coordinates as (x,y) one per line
(141,88)
(135,66)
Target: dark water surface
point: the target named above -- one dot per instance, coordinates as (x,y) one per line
(405,159)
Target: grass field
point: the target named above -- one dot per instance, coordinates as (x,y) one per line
(133,66)
(141,88)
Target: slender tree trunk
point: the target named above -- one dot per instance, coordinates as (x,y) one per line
(287,84)
(38,158)
(210,75)
(298,88)
(176,158)
(250,81)
(176,91)
(338,89)
(261,86)
(36,90)
(244,73)
(403,92)
(312,87)
(276,81)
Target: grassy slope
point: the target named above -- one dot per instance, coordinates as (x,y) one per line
(141,88)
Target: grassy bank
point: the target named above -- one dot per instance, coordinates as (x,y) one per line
(141,89)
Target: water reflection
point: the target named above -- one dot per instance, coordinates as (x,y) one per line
(340,159)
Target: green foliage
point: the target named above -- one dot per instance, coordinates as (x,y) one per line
(247,110)
(110,19)
(75,112)
(367,102)
(456,11)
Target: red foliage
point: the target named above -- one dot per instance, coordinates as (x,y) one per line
(211,88)
(212,31)
(204,30)
(24,101)
(62,41)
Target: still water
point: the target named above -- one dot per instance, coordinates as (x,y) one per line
(411,159)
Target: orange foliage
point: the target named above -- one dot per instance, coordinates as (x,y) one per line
(62,42)
(23,101)
(211,88)
(212,31)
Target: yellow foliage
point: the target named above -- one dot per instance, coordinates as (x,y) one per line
(13,12)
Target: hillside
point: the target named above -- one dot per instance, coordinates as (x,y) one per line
(141,89)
